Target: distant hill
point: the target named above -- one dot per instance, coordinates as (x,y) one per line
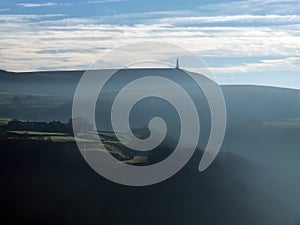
(48,96)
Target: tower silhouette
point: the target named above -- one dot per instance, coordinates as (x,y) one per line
(177,64)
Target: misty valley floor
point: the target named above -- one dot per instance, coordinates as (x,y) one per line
(48,182)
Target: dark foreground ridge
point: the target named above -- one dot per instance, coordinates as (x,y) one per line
(50,183)
(45,180)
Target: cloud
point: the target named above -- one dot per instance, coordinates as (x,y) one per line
(81,42)
(2,10)
(20,20)
(31,5)
(104,1)
(242,19)
(50,4)
(257,7)
(284,64)
(55,41)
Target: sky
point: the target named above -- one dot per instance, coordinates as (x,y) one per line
(242,42)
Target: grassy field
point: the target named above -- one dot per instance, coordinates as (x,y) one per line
(287,123)
(37,133)
(137,160)
(48,136)
(110,141)
(4,121)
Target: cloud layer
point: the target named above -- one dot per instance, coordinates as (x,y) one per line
(244,29)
